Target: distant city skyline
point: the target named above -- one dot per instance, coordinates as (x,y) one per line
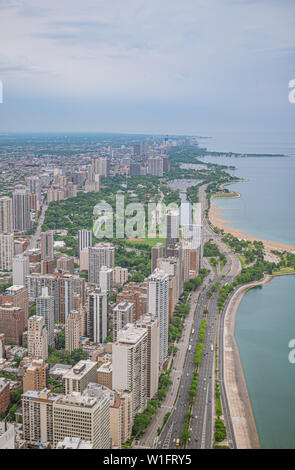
(192,67)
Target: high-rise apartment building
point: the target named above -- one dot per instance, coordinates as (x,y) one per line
(66,264)
(171,267)
(6,218)
(17,296)
(45,309)
(47,243)
(172,228)
(105,374)
(37,338)
(158,306)
(104,167)
(77,378)
(84,240)
(20,269)
(36,376)
(106,278)
(86,415)
(21,209)
(12,322)
(98,316)
(35,186)
(6,251)
(129,358)
(175,251)
(4,394)
(185,260)
(60,286)
(74,330)
(120,276)
(37,415)
(155,166)
(157,252)
(64,296)
(102,254)
(84,259)
(123,314)
(137,293)
(127,415)
(152,326)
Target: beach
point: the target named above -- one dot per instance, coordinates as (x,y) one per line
(215,217)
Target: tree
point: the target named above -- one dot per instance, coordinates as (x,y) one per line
(11,413)
(141,422)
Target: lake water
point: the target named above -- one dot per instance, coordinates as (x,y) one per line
(265,324)
(265,321)
(266,207)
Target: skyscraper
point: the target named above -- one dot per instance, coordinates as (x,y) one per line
(6,251)
(45,309)
(37,414)
(157,252)
(102,254)
(21,209)
(37,338)
(36,375)
(98,316)
(84,240)
(155,166)
(151,324)
(129,357)
(79,376)
(47,243)
(106,278)
(171,267)
(20,269)
(175,251)
(86,415)
(172,228)
(6,219)
(123,314)
(74,330)
(35,186)
(158,306)
(104,166)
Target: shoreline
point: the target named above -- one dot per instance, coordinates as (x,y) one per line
(215,214)
(240,407)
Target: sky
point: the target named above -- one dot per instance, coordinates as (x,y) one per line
(152,66)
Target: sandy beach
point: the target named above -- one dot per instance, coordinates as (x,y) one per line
(215,217)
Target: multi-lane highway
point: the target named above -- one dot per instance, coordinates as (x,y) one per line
(150,440)
(202,422)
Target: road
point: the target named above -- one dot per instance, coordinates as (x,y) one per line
(149,440)
(36,235)
(202,423)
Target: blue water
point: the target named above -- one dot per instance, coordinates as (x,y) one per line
(265,321)
(266,208)
(265,324)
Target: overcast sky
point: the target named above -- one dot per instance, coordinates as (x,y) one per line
(162,66)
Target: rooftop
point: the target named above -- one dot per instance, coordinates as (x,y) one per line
(130,334)
(74,443)
(80,369)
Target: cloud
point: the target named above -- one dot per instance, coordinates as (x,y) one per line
(217,54)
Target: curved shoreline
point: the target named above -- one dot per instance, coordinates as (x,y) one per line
(241,412)
(214,217)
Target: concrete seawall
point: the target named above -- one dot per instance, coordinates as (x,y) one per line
(236,389)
